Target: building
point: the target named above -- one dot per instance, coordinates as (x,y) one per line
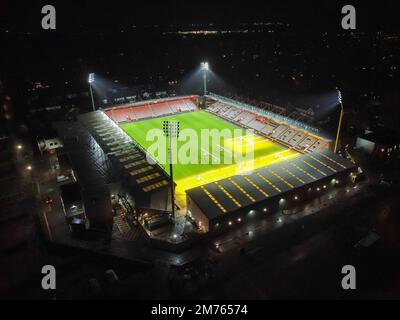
(221,204)
(381,146)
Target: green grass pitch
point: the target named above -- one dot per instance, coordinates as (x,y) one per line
(195,120)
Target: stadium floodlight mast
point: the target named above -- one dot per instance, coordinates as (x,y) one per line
(205,67)
(171,131)
(340,118)
(91,80)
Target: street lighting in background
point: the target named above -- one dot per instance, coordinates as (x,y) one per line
(205,67)
(340,118)
(91,80)
(29,167)
(19,146)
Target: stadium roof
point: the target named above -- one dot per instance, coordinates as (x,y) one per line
(128,158)
(240,191)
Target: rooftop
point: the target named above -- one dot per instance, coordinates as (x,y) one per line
(240,191)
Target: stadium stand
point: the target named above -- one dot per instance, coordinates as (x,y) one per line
(308,141)
(317,146)
(130,160)
(283,133)
(268,129)
(298,137)
(256,125)
(278,131)
(245,117)
(121,115)
(162,109)
(143,112)
(148,109)
(216,205)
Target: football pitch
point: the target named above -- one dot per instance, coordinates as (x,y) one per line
(209,162)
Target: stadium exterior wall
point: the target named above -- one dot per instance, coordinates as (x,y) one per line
(198,215)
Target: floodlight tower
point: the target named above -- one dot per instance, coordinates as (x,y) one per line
(171,130)
(340,118)
(205,67)
(91,80)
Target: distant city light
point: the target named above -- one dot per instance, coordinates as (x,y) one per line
(19,147)
(29,167)
(296,197)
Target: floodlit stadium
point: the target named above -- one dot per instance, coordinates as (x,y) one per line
(228,158)
(249,159)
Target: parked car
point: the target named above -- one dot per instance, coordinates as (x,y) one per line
(47,200)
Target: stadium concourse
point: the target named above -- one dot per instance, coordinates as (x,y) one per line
(288,156)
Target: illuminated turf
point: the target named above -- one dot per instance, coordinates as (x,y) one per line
(188,176)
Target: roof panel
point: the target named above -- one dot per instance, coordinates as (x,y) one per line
(256,191)
(238,192)
(228,203)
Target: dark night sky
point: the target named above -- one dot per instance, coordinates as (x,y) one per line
(306,15)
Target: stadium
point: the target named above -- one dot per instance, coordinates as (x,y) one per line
(291,161)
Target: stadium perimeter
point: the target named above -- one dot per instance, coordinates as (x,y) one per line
(218,204)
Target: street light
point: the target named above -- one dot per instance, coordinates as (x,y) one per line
(340,118)
(205,67)
(91,80)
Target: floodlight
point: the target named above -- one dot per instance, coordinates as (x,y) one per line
(91,78)
(340,96)
(205,66)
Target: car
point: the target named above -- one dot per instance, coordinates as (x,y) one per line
(47,200)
